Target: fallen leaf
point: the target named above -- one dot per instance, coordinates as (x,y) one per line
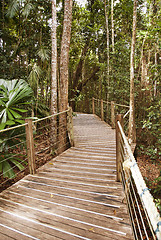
(51,195)
(91,229)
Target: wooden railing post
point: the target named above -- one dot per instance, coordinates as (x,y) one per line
(70,126)
(107,112)
(113,114)
(30,146)
(102,111)
(93,107)
(119,118)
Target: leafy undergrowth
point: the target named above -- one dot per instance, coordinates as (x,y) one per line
(151,172)
(40,160)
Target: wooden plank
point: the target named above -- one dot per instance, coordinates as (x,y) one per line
(76,225)
(63,210)
(13,223)
(68,204)
(5,237)
(82,187)
(74,196)
(25,231)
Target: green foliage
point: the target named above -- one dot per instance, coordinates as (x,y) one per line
(11,143)
(25,52)
(7,160)
(158,204)
(42,109)
(151,130)
(157,192)
(13,95)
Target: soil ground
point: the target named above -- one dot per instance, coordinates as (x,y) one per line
(150,171)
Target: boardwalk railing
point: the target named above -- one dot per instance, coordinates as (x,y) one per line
(144,215)
(145,218)
(26,147)
(108,110)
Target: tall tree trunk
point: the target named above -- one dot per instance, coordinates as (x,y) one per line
(64,57)
(54,75)
(64,60)
(144,73)
(3,20)
(132,126)
(108,47)
(78,75)
(112,25)
(156,73)
(54,61)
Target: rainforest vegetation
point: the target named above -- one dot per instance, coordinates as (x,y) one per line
(99,62)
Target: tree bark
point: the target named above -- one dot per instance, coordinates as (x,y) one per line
(64,74)
(64,57)
(144,73)
(132,126)
(156,73)
(112,25)
(108,47)
(54,76)
(54,61)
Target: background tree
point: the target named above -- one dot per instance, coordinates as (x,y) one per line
(64,56)
(132,127)
(54,60)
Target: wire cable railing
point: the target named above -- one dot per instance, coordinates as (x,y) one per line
(107,110)
(145,218)
(26,147)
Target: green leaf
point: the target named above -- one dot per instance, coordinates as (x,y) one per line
(20,110)
(2,126)
(7,170)
(2,103)
(19,165)
(15,114)
(9,115)
(4,118)
(20,121)
(10,123)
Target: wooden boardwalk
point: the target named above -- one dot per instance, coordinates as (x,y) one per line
(74,196)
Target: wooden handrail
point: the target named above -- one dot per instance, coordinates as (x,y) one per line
(112,104)
(107,102)
(130,170)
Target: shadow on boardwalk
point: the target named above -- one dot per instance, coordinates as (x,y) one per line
(74,196)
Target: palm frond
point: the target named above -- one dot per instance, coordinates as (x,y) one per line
(27,9)
(34,76)
(44,54)
(13,8)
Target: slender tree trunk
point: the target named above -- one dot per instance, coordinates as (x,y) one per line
(156,73)
(132,127)
(144,72)
(108,47)
(54,61)
(112,25)
(53,106)
(3,20)
(64,57)
(64,74)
